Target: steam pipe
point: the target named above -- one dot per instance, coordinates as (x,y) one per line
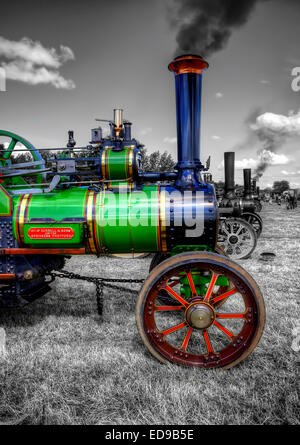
(127,131)
(188,83)
(229,157)
(118,117)
(118,121)
(157,176)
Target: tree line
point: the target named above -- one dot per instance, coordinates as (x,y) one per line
(151,162)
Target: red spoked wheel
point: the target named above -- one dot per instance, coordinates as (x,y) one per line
(217,317)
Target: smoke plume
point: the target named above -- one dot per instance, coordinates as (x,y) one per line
(204,26)
(273,130)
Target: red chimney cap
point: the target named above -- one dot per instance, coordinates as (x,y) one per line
(188,63)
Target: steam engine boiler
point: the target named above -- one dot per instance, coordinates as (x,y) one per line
(197,307)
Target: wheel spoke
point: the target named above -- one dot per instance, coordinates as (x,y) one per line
(175,283)
(10,148)
(230,315)
(168,308)
(174,328)
(226,231)
(187,338)
(228,333)
(191,282)
(175,295)
(207,341)
(211,286)
(239,230)
(226,295)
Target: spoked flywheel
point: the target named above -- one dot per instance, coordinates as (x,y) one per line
(255,220)
(237,237)
(18,174)
(216,319)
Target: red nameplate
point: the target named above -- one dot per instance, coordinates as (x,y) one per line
(51,233)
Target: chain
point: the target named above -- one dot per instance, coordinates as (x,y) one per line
(99,282)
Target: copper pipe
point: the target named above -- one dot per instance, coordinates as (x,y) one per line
(25,251)
(7,276)
(118,120)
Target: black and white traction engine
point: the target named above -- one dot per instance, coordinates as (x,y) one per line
(197,307)
(240,225)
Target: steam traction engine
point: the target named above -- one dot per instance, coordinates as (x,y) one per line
(240,225)
(197,307)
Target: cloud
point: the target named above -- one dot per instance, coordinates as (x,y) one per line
(272,130)
(219,95)
(34,52)
(30,62)
(274,158)
(264,82)
(272,124)
(169,140)
(244,163)
(146,131)
(286,173)
(265,156)
(216,138)
(25,72)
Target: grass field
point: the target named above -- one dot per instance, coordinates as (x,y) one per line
(64,366)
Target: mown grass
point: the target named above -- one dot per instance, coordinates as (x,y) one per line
(64,366)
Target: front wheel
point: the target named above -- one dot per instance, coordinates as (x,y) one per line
(237,237)
(216,318)
(255,221)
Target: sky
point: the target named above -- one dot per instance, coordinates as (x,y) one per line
(114,54)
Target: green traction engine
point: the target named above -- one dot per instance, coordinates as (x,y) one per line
(197,307)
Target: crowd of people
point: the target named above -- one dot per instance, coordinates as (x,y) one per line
(288,198)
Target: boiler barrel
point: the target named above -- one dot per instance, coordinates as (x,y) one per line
(117,220)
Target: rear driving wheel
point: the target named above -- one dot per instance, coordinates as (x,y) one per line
(216,318)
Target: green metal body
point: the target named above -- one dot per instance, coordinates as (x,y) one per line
(120,217)
(201,283)
(102,222)
(119,165)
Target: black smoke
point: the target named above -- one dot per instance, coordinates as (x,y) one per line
(204,26)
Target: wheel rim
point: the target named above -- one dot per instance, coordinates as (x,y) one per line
(207,330)
(237,238)
(255,221)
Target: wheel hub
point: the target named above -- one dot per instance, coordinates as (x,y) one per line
(233,239)
(200,315)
